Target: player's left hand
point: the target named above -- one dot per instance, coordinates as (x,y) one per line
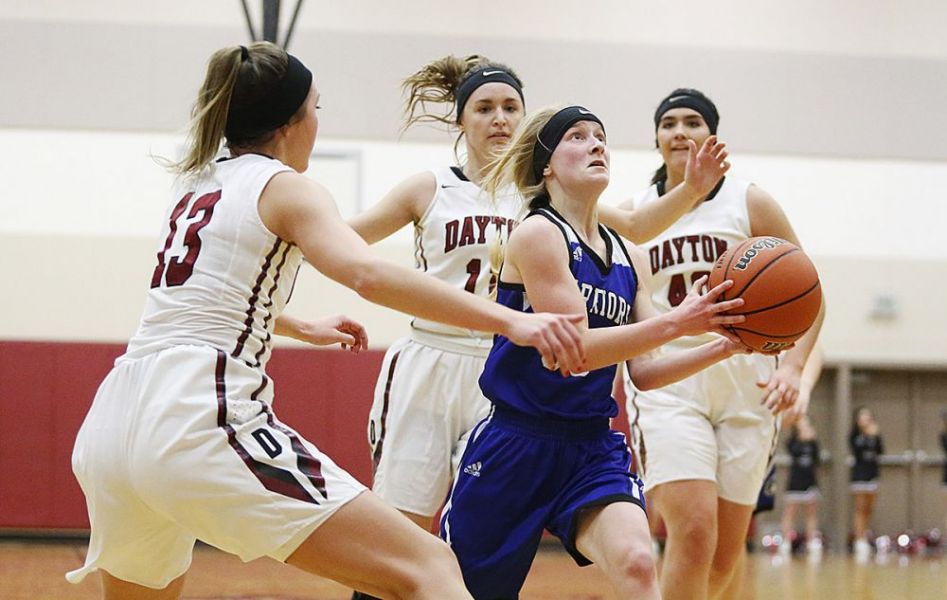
(337,329)
(800,408)
(782,389)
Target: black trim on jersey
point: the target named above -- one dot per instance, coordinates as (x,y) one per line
(603,268)
(555,221)
(517,287)
(661,185)
(565,236)
(223,158)
(460,174)
(620,244)
(579,558)
(631,263)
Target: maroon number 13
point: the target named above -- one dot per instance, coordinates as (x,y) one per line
(179,269)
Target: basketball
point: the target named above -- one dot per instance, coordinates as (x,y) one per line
(780,289)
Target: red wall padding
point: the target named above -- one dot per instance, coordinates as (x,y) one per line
(47,387)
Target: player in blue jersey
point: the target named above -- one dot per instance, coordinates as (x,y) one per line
(182,442)
(546,457)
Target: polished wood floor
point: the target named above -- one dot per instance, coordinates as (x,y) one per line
(33,570)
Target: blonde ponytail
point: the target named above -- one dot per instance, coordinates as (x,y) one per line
(253,69)
(513,168)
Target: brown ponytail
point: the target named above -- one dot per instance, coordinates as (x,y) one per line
(436,82)
(230,77)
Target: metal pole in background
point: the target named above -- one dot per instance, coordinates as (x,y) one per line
(292,25)
(246,13)
(841,508)
(271,20)
(914,469)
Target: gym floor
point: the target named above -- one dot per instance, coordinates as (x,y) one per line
(32,569)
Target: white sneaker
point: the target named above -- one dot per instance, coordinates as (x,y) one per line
(814,549)
(862,550)
(785,548)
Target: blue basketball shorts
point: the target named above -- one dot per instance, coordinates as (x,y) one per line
(521,475)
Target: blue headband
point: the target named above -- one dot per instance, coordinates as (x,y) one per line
(551,134)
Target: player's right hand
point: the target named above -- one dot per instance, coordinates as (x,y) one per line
(705,167)
(557,338)
(700,313)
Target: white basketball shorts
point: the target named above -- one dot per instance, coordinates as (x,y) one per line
(709,426)
(426,402)
(176,448)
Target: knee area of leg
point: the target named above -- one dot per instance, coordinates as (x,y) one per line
(638,563)
(438,560)
(695,542)
(697,530)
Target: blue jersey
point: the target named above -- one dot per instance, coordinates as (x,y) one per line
(514,377)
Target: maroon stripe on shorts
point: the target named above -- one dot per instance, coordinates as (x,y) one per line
(273,478)
(308,465)
(254,296)
(376,456)
(264,380)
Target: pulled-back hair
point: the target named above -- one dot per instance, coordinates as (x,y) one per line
(230,80)
(855,428)
(437,83)
(661,174)
(514,167)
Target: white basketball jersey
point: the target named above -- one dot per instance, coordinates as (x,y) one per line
(452,242)
(222,277)
(688,249)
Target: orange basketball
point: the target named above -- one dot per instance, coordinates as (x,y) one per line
(780,290)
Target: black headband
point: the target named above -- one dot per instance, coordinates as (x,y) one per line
(480,77)
(683,99)
(552,132)
(274,108)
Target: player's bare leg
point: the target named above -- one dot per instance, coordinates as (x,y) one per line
(689,509)
(789,518)
(369,546)
(421,521)
(114,588)
(617,539)
(733,521)
(864,504)
(735,588)
(812,520)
